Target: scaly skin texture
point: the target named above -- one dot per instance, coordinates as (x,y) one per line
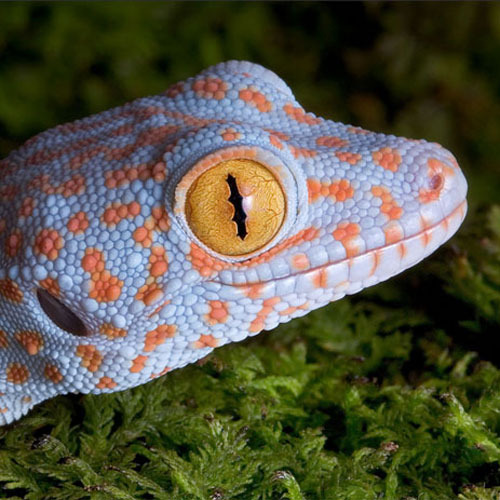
(93,213)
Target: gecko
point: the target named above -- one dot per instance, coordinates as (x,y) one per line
(137,240)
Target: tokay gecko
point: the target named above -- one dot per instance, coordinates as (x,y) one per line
(137,240)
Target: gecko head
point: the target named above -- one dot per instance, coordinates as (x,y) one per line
(135,241)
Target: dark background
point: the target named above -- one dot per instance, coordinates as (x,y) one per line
(423,70)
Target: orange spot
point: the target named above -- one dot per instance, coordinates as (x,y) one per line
(8,193)
(52,373)
(106,383)
(267,307)
(48,242)
(347,233)
(339,190)
(78,223)
(210,88)
(279,135)
(118,211)
(273,139)
(205,341)
(51,285)
(252,96)
(31,341)
(104,286)
(91,357)
(320,278)
(138,364)
(11,291)
(3,340)
(204,263)
(253,291)
(299,115)
(26,209)
(149,293)
(376,262)
(218,312)
(143,171)
(156,337)
(290,310)
(300,261)
(17,373)
(351,158)
(387,158)
(158,263)
(402,250)
(389,206)
(112,332)
(230,134)
(331,141)
(393,233)
(13,243)
(142,236)
(302,152)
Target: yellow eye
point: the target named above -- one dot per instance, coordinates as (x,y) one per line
(235,207)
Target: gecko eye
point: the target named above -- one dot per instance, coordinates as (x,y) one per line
(61,315)
(235,207)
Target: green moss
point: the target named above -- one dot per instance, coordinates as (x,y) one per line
(393,393)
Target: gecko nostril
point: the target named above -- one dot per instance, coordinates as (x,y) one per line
(436,182)
(61,315)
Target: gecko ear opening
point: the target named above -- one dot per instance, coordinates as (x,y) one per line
(61,315)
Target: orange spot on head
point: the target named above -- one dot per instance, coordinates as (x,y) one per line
(389,206)
(204,263)
(253,291)
(78,223)
(11,291)
(91,357)
(26,209)
(149,293)
(210,88)
(300,262)
(351,158)
(320,278)
(331,141)
(205,341)
(138,363)
(17,373)
(299,115)
(3,340)
(13,243)
(218,312)
(347,233)
(393,233)
(156,337)
(387,158)
(48,242)
(52,373)
(112,332)
(31,341)
(106,383)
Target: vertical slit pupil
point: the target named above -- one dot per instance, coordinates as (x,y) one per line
(237,200)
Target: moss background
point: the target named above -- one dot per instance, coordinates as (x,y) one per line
(393,393)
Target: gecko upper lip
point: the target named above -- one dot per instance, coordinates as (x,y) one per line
(443,229)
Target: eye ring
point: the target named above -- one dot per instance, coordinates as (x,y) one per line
(225,176)
(61,315)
